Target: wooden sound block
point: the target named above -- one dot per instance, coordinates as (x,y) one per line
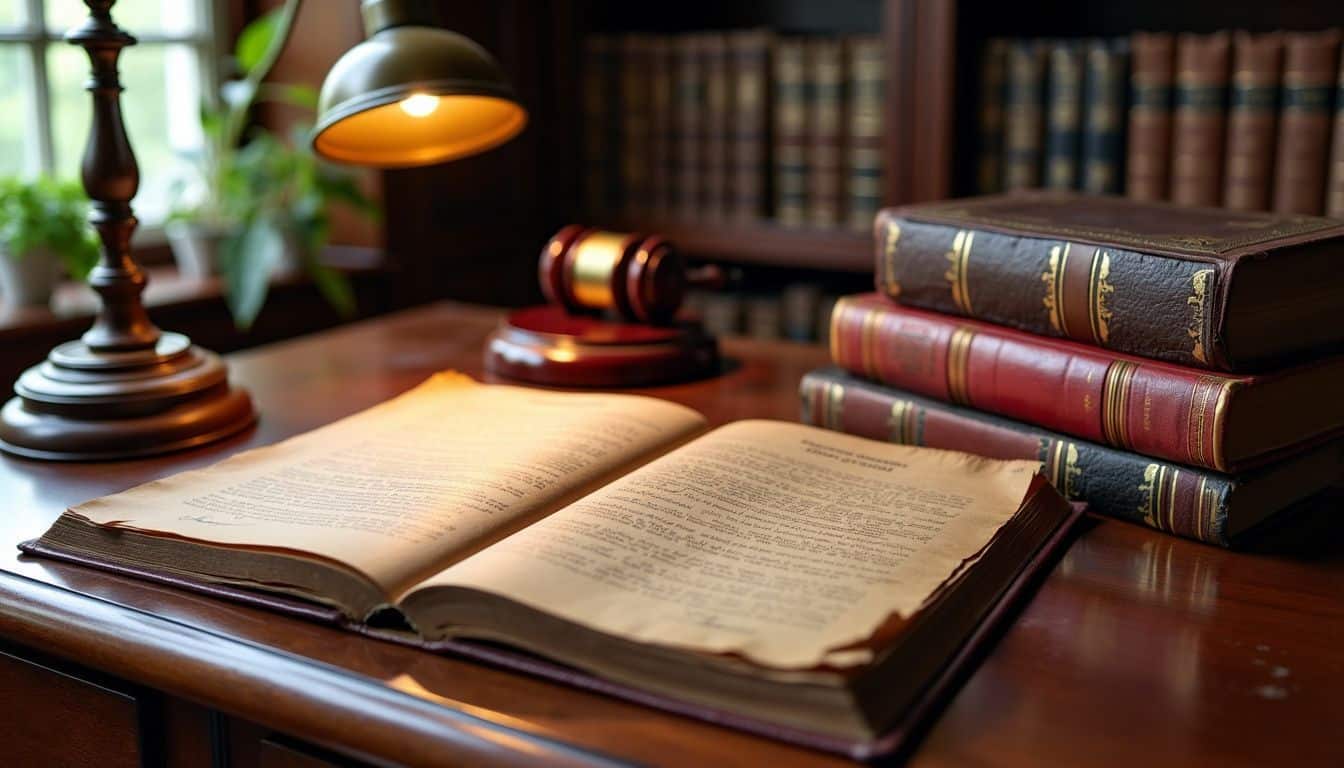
(547,345)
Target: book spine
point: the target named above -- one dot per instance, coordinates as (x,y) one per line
(1064,104)
(599,113)
(1022,135)
(864,188)
(1144,304)
(1334,205)
(1155,410)
(689,107)
(662,127)
(790,128)
(1310,64)
(715,157)
(1179,500)
(989,168)
(750,129)
(1148,157)
(826,130)
(1103,122)
(1252,116)
(1198,119)
(636,105)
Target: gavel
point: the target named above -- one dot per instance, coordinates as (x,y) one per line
(640,278)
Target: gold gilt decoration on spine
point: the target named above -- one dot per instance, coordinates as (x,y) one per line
(1062,468)
(1115,403)
(867,342)
(959,258)
(835,405)
(903,426)
(838,313)
(1097,290)
(1200,290)
(1219,418)
(958,355)
(1053,277)
(1205,396)
(889,259)
(1158,507)
(1206,505)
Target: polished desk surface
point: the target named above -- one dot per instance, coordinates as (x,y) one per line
(1139,648)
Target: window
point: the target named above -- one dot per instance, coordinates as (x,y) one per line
(45,111)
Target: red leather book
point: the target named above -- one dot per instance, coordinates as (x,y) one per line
(1199,118)
(1310,64)
(1204,287)
(1190,416)
(1195,503)
(1252,118)
(1148,158)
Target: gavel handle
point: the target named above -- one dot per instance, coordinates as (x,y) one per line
(709,276)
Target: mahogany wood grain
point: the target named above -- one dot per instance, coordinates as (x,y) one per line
(1139,649)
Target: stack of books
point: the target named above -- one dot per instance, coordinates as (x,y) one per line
(734,127)
(1172,366)
(1232,119)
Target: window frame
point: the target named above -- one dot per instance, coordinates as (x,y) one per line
(34,36)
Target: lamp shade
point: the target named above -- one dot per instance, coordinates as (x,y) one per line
(414,95)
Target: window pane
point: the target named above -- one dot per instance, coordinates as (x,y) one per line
(11,13)
(160,107)
(135,16)
(18,126)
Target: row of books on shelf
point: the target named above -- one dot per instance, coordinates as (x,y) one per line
(1238,120)
(799,312)
(1171,366)
(737,126)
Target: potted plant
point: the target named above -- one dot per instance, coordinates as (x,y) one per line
(43,228)
(259,205)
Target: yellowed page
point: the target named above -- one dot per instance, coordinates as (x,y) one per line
(777,541)
(394,490)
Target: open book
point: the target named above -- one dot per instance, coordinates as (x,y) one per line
(809,580)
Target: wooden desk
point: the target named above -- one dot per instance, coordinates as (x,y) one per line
(1139,649)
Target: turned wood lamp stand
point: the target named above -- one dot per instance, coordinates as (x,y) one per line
(125,388)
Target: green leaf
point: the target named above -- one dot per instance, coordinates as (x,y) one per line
(255,39)
(249,259)
(302,96)
(334,286)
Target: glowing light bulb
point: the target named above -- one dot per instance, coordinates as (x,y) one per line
(419,104)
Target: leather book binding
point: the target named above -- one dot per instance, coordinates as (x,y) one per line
(863,193)
(790,126)
(1148,158)
(749,70)
(1203,287)
(1022,105)
(1252,120)
(662,122)
(636,148)
(1156,409)
(1103,141)
(715,150)
(1064,107)
(1194,503)
(601,181)
(1198,118)
(989,167)
(1310,67)
(826,132)
(1334,191)
(689,106)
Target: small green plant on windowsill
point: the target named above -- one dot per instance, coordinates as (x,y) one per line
(43,231)
(260,205)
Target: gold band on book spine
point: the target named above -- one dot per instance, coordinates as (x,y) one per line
(958,358)
(1115,403)
(959,258)
(901,424)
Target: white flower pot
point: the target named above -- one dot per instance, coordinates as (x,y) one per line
(28,280)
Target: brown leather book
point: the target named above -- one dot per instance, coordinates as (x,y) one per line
(636,82)
(749,129)
(662,126)
(790,161)
(1064,115)
(1310,68)
(715,150)
(863,146)
(689,106)
(1103,142)
(1148,158)
(1252,120)
(993,68)
(1334,200)
(601,99)
(1198,118)
(1023,134)
(826,132)
(1204,287)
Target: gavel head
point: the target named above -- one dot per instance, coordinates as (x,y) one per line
(639,277)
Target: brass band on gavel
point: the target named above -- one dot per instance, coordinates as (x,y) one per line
(639,277)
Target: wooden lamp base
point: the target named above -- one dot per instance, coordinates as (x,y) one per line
(547,345)
(84,404)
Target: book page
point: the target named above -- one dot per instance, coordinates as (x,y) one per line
(776,541)
(396,490)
